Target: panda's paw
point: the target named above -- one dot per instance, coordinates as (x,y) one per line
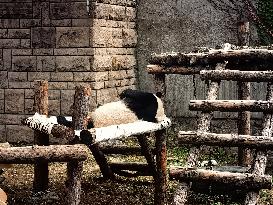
(63,121)
(86,137)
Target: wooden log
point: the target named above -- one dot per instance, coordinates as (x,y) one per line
(158,69)
(260,159)
(181,193)
(40,182)
(127,130)
(79,122)
(44,125)
(231,105)
(225,140)
(131,166)
(81,107)
(51,153)
(237,75)
(146,150)
(121,149)
(236,180)
(88,138)
(241,59)
(161,164)
(243,124)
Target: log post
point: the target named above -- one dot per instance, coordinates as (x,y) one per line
(74,168)
(160,179)
(244,155)
(261,156)
(40,182)
(161,163)
(180,195)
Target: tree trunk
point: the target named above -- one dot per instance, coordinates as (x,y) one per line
(237,75)
(226,140)
(236,180)
(40,182)
(231,105)
(51,153)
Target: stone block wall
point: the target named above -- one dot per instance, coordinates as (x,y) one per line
(60,41)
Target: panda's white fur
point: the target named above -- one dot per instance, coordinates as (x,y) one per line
(116,113)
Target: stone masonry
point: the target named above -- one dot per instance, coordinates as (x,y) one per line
(67,44)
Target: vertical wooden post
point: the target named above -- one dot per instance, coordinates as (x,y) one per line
(161,150)
(74,168)
(244,155)
(40,182)
(161,162)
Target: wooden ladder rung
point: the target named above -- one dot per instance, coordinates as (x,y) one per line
(227,140)
(237,75)
(120,149)
(237,180)
(141,169)
(231,105)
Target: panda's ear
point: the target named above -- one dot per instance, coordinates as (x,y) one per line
(159,94)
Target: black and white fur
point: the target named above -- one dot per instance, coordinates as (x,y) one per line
(133,105)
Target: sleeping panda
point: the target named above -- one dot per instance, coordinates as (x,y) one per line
(133,105)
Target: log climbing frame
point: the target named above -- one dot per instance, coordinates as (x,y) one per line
(243,65)
(155,156)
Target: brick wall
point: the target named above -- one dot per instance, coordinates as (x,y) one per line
(58,41)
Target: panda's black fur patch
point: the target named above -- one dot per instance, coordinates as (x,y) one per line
(143,104)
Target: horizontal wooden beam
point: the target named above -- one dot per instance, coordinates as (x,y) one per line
(237,75)
(120,149)
(131,169)
(241,59)
(52,153)
(227,140)
(237,180)
(231,105)
(48,126)
(157,69)
(123,130)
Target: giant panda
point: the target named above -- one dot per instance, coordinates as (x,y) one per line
(133,105)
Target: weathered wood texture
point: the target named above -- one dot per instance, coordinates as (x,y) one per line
(160,69)
(121,149)
(160,177)
(243,123)
(79,121)
(98,155)
(261,156)
(225,140)
(237,180)
(131,169)
(237,75)
(181,193)
(241,59)
(51,153)
(43,124)
(40,182)
(127,130)
(231,105)
(81,107)
(161,163)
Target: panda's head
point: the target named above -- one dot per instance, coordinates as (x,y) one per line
(146,106)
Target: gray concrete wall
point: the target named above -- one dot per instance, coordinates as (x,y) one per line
(180,26)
